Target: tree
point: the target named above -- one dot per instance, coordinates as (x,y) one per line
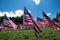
(17,20)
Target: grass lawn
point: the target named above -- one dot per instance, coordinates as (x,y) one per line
(46,34)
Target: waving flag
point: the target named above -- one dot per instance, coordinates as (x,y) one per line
(50,22)
(40,23)
(28,19)
(6,21)
(56,21)
(9,24)
(39,19)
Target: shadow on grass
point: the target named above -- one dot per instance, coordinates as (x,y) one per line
(40,35)
(54,39)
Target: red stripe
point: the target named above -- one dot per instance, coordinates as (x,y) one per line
(52,24)
(36,30)
(36,25)
(6,23)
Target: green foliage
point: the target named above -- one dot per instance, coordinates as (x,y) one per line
(46,34)
(1,19)
(17,20)
(10,35)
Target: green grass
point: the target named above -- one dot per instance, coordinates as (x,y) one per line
(46,34)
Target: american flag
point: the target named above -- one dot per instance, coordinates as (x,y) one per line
(39,19)
(9,23)
(6,22)
(28,19)
(50,22)
(14,26)
(41,23)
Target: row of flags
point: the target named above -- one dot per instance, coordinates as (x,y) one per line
(8,24)
(28,21)
(36,25)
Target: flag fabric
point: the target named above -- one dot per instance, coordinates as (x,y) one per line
(50,22)
(28,19)
(14,26)
(39,19)
(56,21)
(0,26)
(20,26)
(8,24)
(6,21)
(41,23)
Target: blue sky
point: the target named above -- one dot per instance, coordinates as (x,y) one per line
(35,6)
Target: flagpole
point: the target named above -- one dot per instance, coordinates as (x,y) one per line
(23,29)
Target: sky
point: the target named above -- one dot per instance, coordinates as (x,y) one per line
(14,8)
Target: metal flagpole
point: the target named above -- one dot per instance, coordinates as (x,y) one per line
(23,29)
